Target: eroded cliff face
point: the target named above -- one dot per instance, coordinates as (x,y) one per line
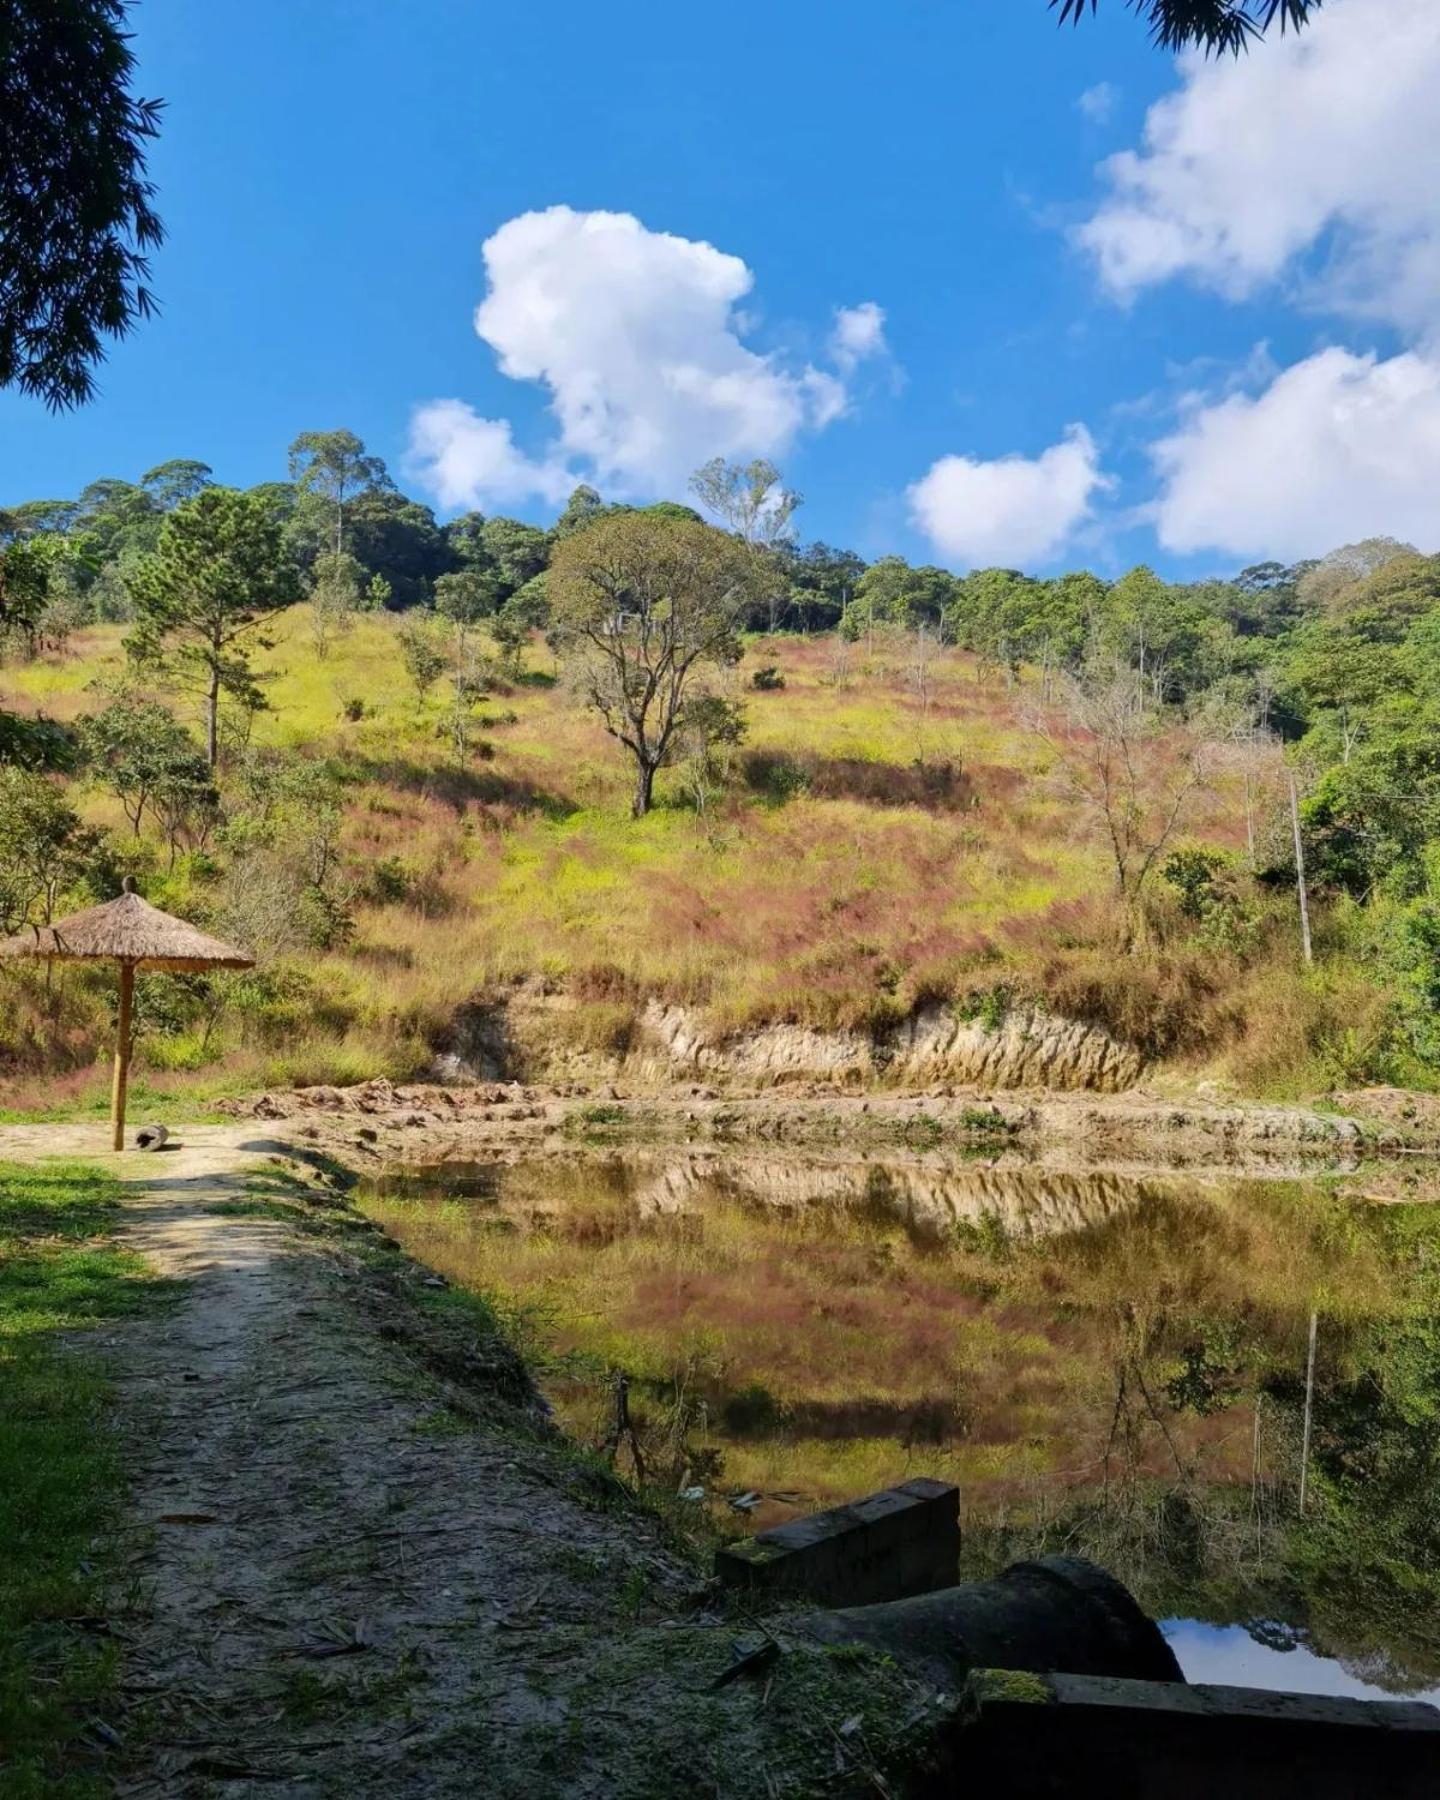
(1026,1203)
(1028,1048)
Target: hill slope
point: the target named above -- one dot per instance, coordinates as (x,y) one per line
(892,833)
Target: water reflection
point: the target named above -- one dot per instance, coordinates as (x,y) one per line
(1106,1362)
(1239,1657)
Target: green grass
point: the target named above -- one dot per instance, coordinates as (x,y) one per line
(60,1468)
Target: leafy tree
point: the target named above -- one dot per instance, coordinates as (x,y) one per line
(711,732)
(527,610)
(334,599)
(76,221)
(1223,25)
(517,552)
(1008,618)
(583,508)
(33,516)
(1343,674)
(666,509)
(336,466)
(1264,600)
(399,540)
(134,747)
(44,849)
(463,540)
(422,654)
(891,592)
(1164,633)
(822,582)
(467,596)
(201,599)
(637,606)
(27,568)
(114,517)
(1324,583)
(170,484)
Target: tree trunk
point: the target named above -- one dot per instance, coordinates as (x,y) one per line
(212,718)
(644,790)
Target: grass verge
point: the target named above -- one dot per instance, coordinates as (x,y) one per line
(60,1469)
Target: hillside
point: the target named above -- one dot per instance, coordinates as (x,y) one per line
(887,835)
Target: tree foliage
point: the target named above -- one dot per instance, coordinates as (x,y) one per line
(638,605)
(77,224)
(201,597)
(1220,25)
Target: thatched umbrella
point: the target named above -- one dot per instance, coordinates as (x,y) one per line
(136,935)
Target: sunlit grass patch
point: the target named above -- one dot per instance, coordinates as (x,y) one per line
(60,1468)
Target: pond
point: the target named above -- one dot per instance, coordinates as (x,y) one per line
(1109,1364)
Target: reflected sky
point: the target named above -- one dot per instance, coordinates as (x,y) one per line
(1229,1655)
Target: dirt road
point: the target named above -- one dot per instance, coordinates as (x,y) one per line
(333,1567)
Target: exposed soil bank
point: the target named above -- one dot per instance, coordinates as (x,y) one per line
(536,1035)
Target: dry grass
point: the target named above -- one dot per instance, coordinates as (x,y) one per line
(843,903)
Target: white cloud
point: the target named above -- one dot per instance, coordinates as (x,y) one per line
(459,455)
(858,335)
(636,337)
(1325,143)
(1097,103)
(1336,448)
(1014,510)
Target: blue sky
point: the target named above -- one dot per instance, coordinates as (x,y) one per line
(1257,294)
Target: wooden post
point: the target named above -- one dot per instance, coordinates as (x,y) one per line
(1309,1413)
(122,1054)
(1300,870)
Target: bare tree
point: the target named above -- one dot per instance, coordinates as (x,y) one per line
(752,501)
(920,676)
(1136,771)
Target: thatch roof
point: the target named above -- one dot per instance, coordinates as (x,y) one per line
(128,930)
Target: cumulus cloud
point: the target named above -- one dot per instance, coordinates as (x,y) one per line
(1097,103)
(1336,448)
(1015,509)
(461,455)
(1314,159)
(636,339)
(859,334)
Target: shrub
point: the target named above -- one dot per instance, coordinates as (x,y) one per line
(768,679)
(390,881)
(776,775)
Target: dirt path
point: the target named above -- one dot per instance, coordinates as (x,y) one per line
(341,1582)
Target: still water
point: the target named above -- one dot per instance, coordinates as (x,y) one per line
(1108,1364)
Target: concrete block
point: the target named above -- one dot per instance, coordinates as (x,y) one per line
(888,1546)
(1030,1736)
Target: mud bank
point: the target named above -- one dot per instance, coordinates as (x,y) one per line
(377,1122)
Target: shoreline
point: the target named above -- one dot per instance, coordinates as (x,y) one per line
(379,1124)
